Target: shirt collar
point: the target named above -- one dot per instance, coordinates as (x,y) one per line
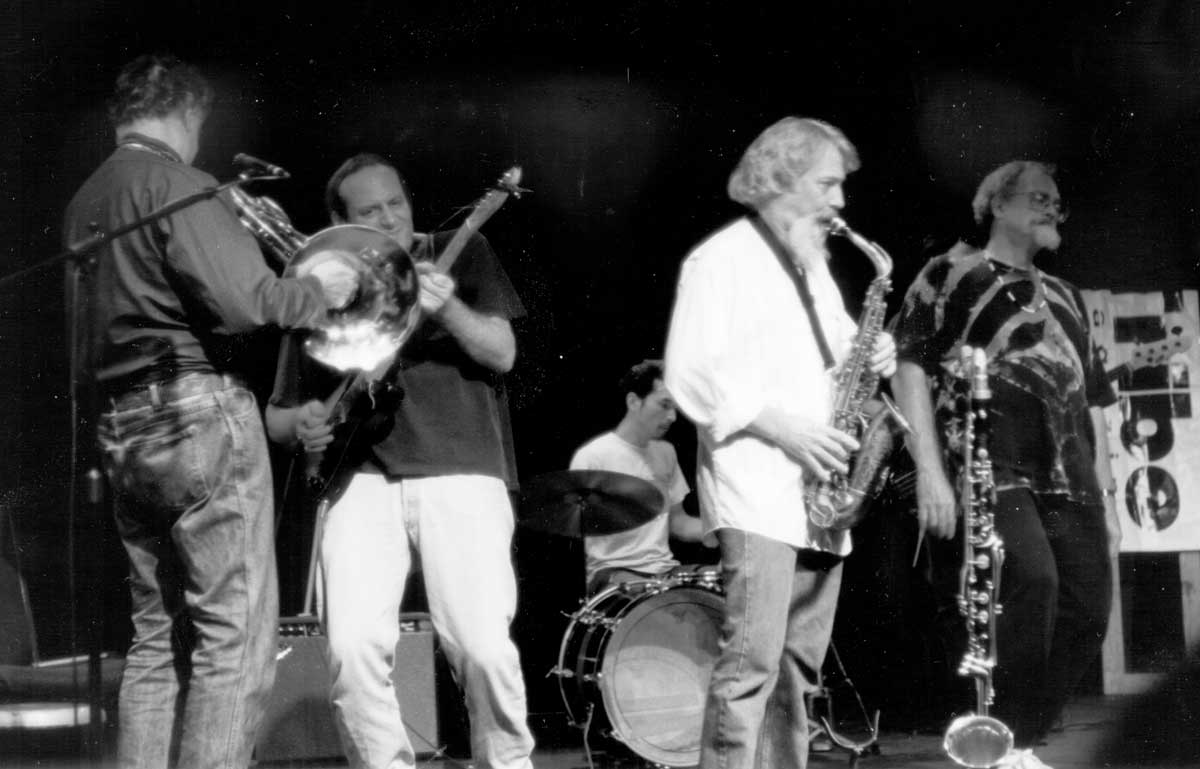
(138,141)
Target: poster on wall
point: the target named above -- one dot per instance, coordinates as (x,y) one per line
(1148,344)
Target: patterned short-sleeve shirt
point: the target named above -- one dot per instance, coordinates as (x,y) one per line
(1042,368)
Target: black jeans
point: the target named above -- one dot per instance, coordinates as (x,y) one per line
(1055,594)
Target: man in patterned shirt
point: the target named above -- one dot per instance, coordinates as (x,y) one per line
(1047,391)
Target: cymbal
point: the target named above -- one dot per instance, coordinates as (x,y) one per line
(575,503)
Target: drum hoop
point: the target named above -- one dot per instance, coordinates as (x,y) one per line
(705,593)
(583,628)
(587,627)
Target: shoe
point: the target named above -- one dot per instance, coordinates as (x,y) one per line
(1021,759)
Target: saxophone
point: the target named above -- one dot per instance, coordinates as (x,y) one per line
(839,503)
(977,740)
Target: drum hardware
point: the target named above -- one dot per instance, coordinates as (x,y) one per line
(821,710)
(651,586)
(635,663)
(636,660)
(577,503)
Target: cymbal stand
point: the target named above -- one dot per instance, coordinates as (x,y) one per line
(822,721)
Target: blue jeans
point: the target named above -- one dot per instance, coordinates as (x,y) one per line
(192,495)
(779,607)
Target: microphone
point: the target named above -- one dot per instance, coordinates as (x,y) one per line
(262,166)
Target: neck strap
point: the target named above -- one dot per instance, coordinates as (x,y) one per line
(801,283)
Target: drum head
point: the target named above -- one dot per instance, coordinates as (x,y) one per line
(656,670)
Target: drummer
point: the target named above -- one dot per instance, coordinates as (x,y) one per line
(635,447)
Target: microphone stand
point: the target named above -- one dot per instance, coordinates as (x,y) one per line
(84,399)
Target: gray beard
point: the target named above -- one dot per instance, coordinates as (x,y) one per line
(808,238)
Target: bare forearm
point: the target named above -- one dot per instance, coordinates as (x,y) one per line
(684,527)
(911,388)
(488,339)
(936,505)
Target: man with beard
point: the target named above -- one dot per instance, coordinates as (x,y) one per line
(758,326)
(1047,390)
(635,447)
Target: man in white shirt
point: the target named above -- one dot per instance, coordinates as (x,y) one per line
(751,366)
(636,448)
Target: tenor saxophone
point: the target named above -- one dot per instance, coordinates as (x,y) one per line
(977,740)
(839,502)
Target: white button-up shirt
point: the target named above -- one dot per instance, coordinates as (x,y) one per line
(740,341)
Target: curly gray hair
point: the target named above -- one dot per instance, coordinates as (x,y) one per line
(782,154)
(1001,185)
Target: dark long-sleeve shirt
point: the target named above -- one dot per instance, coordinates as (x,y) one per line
(168,296)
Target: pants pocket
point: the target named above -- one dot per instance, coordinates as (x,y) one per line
(170,464)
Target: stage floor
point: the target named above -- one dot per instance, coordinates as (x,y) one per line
(1074,746)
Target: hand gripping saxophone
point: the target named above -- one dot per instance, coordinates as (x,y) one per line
(977,740)
(839,503)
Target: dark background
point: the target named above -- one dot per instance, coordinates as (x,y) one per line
(627,118)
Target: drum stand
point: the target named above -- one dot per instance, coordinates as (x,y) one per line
(821,719)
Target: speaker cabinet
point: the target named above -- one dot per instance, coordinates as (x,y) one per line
(299,720)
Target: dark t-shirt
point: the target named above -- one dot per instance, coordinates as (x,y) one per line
(1042,369)
(454,416)
(169,295)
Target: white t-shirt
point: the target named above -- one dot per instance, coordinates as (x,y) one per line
(643,548)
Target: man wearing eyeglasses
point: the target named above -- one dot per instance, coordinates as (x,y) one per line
(1047,391)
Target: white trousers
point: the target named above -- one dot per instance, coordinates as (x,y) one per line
(460,528)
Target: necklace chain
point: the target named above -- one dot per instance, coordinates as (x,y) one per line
(1037,289)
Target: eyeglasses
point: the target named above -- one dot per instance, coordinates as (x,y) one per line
(1044,202)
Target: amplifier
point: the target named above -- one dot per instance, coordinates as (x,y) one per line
(298,724)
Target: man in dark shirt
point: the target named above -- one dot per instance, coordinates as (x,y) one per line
(182,438)
(434,489)
(1047,392)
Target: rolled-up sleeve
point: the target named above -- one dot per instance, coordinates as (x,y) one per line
(705,370)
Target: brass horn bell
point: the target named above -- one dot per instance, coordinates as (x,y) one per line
(378,318)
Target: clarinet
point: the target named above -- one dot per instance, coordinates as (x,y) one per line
(978,740)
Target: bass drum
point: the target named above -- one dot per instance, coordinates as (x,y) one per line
(636,660)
